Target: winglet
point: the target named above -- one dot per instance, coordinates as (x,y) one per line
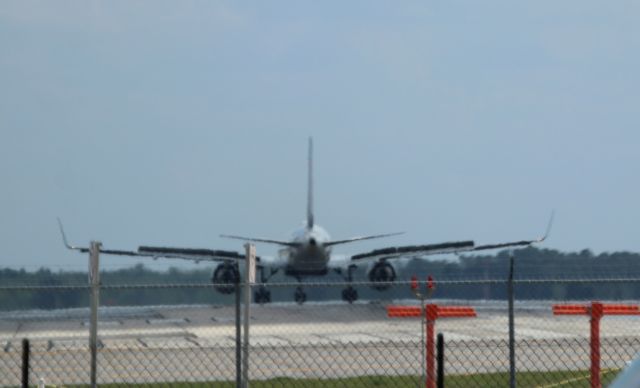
(549,225)
(64,239)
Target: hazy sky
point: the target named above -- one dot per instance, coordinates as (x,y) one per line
(169,123)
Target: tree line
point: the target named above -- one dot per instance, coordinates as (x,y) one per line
(530,263)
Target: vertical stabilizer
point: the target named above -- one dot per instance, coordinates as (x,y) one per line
(310,186)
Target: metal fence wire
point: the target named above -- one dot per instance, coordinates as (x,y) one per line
(323,342)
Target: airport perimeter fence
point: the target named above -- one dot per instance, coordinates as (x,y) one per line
(323,342)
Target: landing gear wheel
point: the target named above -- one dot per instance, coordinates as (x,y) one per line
(300,296)
(262,295)
(349,294)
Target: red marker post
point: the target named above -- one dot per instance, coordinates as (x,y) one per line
(432,312)
(596,311)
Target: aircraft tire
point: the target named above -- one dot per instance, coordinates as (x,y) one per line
(262,296)
(349,294)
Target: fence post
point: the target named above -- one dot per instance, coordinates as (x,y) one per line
(238,334)
(94,280)
(512,340)
(25,362)
(440,356)
(250,278)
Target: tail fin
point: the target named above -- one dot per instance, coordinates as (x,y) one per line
(310,186)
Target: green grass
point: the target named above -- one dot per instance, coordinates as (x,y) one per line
(560,379)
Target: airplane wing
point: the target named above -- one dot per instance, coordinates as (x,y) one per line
(414,251)
(192,254)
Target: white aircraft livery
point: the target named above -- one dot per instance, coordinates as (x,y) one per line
(308,253)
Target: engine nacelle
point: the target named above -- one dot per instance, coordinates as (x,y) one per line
(382,272)
(225,276)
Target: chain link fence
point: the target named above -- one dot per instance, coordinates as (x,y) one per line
(323,342)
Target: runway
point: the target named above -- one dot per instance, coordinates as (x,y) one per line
(316,340)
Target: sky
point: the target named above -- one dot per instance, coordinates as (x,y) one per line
(169,123)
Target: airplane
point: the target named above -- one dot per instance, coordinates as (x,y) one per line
(308,253)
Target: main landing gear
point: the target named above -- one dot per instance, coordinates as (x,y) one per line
(349,294)
(262,295)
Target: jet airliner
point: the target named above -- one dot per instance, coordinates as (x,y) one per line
(308,253)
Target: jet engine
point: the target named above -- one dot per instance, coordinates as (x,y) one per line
(225,277)
(381,273)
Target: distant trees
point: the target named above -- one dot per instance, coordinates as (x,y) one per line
(531,263)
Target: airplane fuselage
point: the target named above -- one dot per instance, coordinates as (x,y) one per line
(308,255)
